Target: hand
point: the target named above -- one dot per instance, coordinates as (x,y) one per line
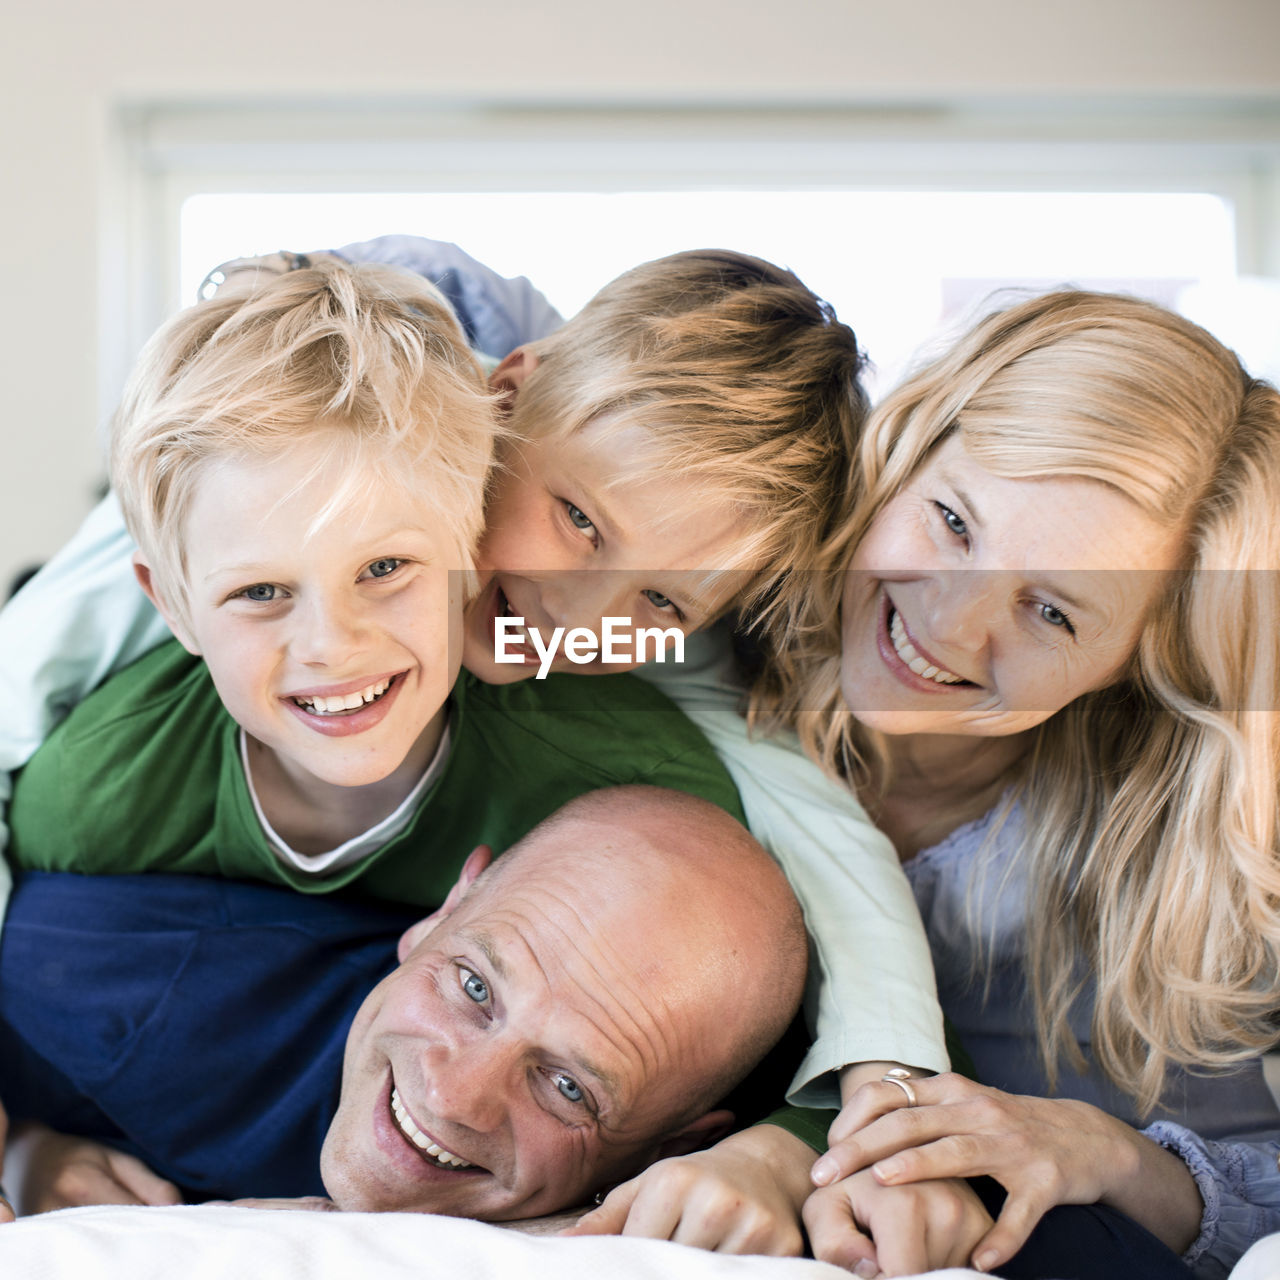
(311,1204)
(1043,1151)
(872,1229)
(741,1196)
(64,1172)
(6,1209)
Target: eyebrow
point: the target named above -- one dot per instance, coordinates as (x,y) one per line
(607,1081)
(250,567)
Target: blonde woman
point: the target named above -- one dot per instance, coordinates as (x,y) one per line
(1049,665)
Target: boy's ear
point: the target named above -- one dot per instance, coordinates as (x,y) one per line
(509,376)
(703,1132)
(477,860)
(146,580)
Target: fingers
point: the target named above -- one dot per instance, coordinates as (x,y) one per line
(834,1234)
(897,1130)
(1017,1220)
(611,1217)
(6,1209)
(137,1180)
(676,1202)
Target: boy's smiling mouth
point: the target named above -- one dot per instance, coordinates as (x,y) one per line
(349,711)
(343,703)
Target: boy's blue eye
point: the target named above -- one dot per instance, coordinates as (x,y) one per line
(261,592)
(657,599)
(578,518)
(569,1087)
(381,568)
(475,986)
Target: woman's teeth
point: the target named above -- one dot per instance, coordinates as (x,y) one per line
(907,652)
(346,702)
(446,1159)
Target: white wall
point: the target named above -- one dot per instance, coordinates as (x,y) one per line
(67,65)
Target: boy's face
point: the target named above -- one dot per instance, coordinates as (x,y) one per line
(573,536)
(294,622)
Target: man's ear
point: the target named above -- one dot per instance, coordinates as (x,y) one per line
(510,374)
(477,860)
(146,580)
(702,1132)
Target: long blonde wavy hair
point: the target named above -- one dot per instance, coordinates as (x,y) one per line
(1153,806)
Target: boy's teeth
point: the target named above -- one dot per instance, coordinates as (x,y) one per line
(420,1139)
(344,702)
(908,653)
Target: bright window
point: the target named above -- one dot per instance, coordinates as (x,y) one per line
(895,264)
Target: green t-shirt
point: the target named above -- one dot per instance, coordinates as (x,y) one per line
(146,775)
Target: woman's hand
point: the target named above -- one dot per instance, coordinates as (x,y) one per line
(1043,1151)
(872,1229)
(65,1172)
(741,1196)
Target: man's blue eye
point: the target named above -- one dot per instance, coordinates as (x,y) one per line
(380,568)
(578,518)
(475,986)
(657,599)
(262,592)
(569,1088)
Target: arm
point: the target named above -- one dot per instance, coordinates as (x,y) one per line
(870,997)
(497,312)
(82,617)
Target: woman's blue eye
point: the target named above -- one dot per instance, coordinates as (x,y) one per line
(475,986)
(569,1088)
(380,568)
(657,599)
(1055,617)
(953,521)
(578,518)
(261,592)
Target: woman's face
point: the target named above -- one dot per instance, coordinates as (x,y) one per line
(981,605)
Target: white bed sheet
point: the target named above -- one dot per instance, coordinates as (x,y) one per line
(214,1242)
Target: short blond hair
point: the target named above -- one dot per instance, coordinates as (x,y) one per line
(740,379)
(1152,807)
(371,354)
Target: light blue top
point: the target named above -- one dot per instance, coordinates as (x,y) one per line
(871,993)
(1226,1127)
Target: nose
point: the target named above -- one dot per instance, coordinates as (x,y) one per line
(327,631)
(962,609)
(470,1082)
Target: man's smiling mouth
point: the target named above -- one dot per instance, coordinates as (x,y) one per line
(404,1122)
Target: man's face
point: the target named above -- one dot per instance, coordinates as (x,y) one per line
(531,1047)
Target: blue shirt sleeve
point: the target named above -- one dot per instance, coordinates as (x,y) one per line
(498,313)
(1239,1183)
(142,997)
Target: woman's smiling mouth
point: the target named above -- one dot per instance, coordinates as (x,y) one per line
(912,658)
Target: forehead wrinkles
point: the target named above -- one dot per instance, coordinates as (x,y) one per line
(592,979)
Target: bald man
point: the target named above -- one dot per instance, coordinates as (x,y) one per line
(568,1015)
